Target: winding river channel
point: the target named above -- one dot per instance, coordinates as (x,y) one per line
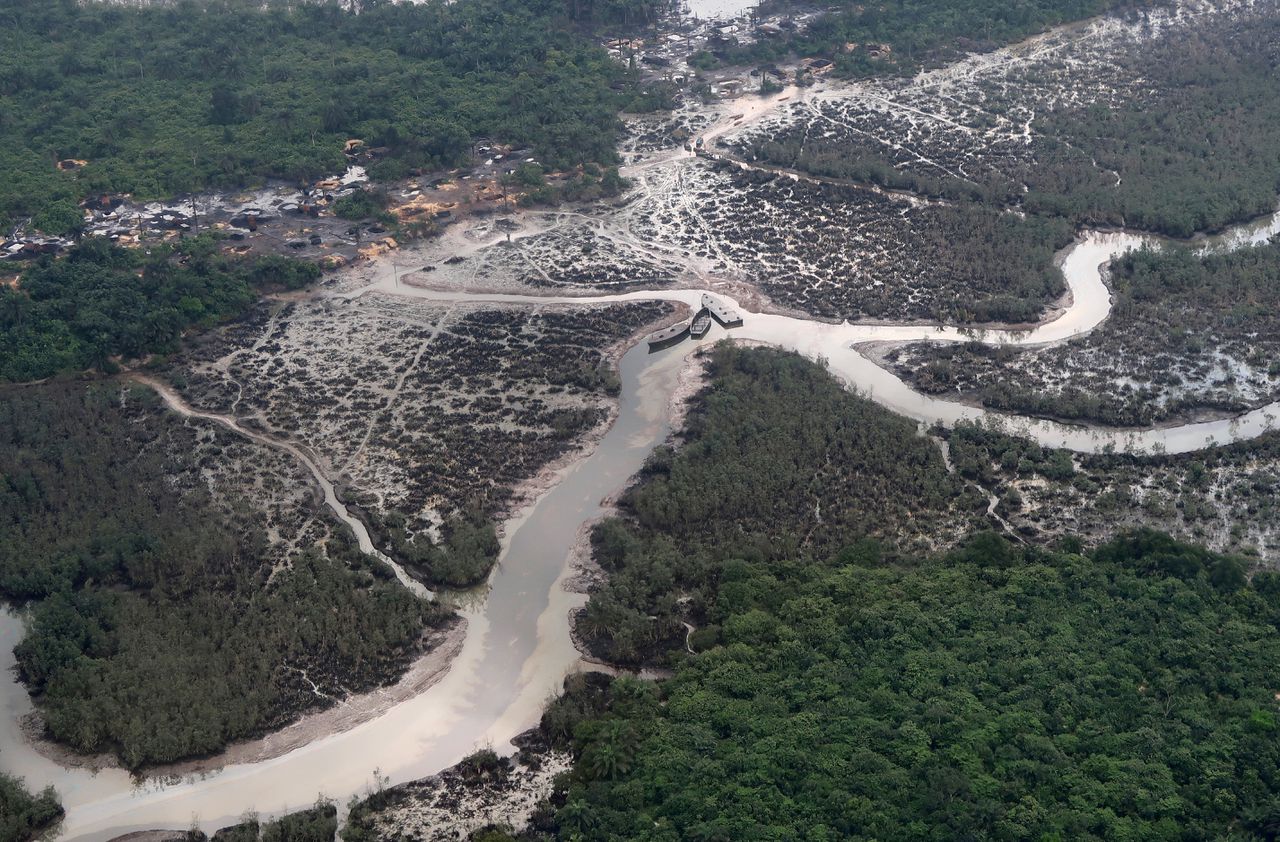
(517,648)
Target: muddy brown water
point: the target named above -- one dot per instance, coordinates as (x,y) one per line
(516,653)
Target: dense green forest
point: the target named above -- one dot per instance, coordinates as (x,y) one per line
(780,462)
(162,99)
(24,815)
(103,301)
(993,691)
(159,629)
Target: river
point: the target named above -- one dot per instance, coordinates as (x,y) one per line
(517,647)
(1090,304)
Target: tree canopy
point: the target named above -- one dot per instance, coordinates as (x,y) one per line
(23,815)
(104,301)
(992,693)
(834,688)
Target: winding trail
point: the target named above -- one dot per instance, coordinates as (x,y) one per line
(175,402)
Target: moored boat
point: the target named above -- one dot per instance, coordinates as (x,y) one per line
(668,336)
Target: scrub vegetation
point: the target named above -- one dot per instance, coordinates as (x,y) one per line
(430,416)
(842,252)
(165,620)
(1189,334)
(1163,123)
(1224,498)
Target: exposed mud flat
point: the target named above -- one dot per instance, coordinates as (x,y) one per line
(418,409)
(794,247)
(454,804)
(976,123)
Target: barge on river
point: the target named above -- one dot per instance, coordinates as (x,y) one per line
(726,316)
(696,327)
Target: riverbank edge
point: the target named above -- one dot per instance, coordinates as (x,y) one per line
(442,646)
(583,574)
(527,492)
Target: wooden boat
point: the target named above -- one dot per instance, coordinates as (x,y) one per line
(668,336)
(701,324)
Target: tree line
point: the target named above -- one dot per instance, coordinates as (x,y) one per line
(102,302)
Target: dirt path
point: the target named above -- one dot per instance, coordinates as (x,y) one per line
(176,403)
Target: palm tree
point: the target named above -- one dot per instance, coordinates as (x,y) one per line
(578,818)
(611,753)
